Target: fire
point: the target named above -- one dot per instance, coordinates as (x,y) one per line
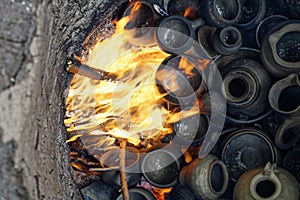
(187,11)
(129,108)
(159,193)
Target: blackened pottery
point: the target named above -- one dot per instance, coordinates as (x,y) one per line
(288,133)
(138,194)
(291,162)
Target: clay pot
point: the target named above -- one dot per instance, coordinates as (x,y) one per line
(142,22)
(252,12)
(176,35)
(269,182)
(266,25)
(291,162)
(287,134)
(204,39)
(221,13)
(191,130)
(138,194)
(246,85)
(284,96)
(206,177)
(180,77)
(227,40)
(280,49)
(161,167)
(246,149)
(180,192)
(111,159)
(187,8)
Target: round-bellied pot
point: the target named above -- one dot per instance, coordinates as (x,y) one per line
(187,8)
(269,182)
(245,149)
(287,134)
(206,177)
(284,96)
(280,51)
(291,162)
(252,12)
(221,13)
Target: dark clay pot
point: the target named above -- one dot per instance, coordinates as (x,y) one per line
(227,40)
(252,12)
(280,51)
(142,22)
(246,85)
(206,177)
(287,135)
(221,13)
(266,25)
(284,96)
(138,194)
(291,162)
(269,182)
(161,167)
(187,8)
(205,34)
(182,85)
(246,149)
(176,35)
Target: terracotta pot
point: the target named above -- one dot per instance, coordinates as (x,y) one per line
(252,12)
(227,40)
(287,135)
(266,25)
(221,13)
(280,49)
(182,86)
(269,182)
(111,159)
(138,194)
(245,149)
(284,96)
(207,177)
(161,167)
(176,35)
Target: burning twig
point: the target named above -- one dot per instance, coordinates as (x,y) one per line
(125,192)
(87,71)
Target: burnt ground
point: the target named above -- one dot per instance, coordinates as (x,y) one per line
(36,37)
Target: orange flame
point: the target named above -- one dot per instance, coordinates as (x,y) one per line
(159,193)
(187,11)
(128,109)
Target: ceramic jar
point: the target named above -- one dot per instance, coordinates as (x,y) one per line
(206,177)
(138,194)
(287,134)
(269,182)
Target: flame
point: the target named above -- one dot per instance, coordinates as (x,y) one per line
(130,108)
(186,66)
(159,193)
(187,11)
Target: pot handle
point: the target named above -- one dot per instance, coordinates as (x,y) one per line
(268,173)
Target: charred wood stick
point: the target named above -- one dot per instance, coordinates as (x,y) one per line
(122,158)
(87,71)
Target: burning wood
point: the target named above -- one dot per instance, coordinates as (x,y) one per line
(87,71)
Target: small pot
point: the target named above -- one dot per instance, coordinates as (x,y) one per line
(284,96)
(287,134)
(227,40)
(111,159)
(180,77)
(161,167)
(176,35)
(206,177)
(291,162)
(221,13)
(280,49)
(266,25)
(138,194)
(269,182)
(252,12)
(246,149)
